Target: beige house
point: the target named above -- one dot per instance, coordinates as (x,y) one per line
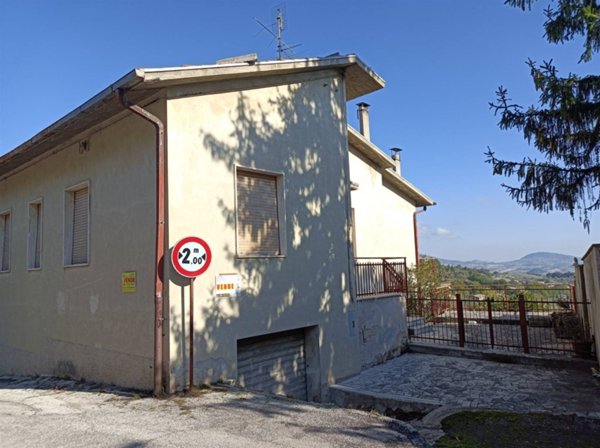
(257,159)
(381,199)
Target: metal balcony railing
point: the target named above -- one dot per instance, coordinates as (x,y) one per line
(375,276)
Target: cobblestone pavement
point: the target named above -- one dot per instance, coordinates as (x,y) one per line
(455,382)
(49,412)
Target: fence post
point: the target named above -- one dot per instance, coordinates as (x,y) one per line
(359,274)
(523,324)
(490,321)
(405,285)
(384,275)
(461,321)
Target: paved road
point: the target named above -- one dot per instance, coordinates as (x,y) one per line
(34,413)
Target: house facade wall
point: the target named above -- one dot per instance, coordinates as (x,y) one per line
(382,328)
(591,273)
(383,219)
(295,127)
(76,321)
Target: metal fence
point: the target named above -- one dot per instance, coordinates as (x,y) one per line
(376,276)
(530,320)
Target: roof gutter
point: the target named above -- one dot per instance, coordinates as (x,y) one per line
(160,236)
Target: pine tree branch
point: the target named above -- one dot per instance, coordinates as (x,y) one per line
(564,127)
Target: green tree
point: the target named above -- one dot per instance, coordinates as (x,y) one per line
(426,278)
(426,288)
(564,128)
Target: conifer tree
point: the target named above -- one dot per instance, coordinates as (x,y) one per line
(564,127)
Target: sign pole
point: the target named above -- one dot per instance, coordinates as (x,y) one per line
(192,332)
(191,257)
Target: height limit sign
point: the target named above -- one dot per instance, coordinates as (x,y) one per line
(191,256)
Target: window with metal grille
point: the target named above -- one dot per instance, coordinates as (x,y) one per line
(34,243)
(5,242)
(77,226)
(258,214)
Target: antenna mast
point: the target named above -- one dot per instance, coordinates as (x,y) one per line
(278,26)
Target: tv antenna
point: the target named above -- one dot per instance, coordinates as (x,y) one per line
(278,26)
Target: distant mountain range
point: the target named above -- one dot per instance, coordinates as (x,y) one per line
(538,263)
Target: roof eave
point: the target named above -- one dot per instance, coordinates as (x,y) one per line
(126,82)
(368,149)
(419,198)
(90,111)
(144,82)
(360,79)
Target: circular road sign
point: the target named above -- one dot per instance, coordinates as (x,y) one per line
(191,256)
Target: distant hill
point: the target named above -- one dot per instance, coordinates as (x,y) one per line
(537,263)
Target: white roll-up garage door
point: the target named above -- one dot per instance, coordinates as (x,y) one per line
(274,363)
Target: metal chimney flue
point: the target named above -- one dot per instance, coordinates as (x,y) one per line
(396,158)
(363,120)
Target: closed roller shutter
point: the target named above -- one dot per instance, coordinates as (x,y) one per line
(274,364)
(79,252)
(5,241)
(35,235)
(257,214)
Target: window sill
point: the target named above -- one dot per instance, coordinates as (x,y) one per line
(80,265)
(34,269)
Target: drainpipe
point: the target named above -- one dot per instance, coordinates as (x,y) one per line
(160,236)
(416,230)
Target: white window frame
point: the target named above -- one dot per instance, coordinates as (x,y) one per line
(31,242)
(68,224)
(3,214)
(279,176)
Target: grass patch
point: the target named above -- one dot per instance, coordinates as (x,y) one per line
(494,429)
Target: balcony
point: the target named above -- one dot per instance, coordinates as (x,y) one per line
(377,276)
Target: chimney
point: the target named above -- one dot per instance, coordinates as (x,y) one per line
(396,158)
(363,119)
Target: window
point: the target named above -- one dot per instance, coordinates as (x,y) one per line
(34,240)
(259,213)
(5,242)
(77,225)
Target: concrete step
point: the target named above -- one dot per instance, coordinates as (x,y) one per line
(554,361)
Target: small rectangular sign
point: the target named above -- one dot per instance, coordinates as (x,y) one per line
(227,286)
(129,281)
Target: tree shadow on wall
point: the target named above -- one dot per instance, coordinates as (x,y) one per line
(298,130)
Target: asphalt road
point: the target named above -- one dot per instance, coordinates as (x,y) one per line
(46,412)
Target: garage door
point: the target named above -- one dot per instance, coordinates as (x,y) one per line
(274,363)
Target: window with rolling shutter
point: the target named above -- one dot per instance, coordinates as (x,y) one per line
(258,214)
(5,242)
(34,253)
(79,250)
(77,226)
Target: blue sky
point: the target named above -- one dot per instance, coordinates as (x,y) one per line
(442,61)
